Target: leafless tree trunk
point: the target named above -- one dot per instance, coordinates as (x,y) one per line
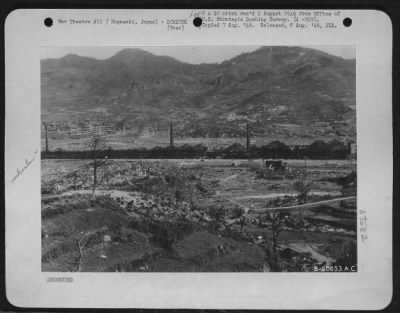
(80,250)
(277,221)
(303,188)
(94,174)
(96,144)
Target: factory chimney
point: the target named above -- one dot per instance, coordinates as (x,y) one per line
(171,135)
(47,138)
(247,138)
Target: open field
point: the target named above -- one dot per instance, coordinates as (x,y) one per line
(197,215)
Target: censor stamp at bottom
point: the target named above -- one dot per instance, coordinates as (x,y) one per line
(60,279)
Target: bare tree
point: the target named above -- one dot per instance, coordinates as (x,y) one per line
(277,220)
(96,144)
(303,185)
(303,188)
(80,244)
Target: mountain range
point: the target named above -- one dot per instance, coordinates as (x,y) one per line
(279,91)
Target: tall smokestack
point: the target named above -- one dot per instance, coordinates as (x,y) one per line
(247,138)
(171,135)
(47,138)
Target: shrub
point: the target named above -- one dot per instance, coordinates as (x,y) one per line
(216,212)
(237,212)
(164,234)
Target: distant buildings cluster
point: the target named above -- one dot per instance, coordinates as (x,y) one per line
(80,127)
(353,150)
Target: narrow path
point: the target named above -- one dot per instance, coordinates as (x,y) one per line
(298,206)
(226,179)
(302,206)
(247,209)
(303,247)
(288,194)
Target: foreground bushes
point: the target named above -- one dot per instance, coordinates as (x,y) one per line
(80,202)
(164,233)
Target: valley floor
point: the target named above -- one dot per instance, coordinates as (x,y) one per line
(197,216)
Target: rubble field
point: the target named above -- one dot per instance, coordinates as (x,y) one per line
(197,216)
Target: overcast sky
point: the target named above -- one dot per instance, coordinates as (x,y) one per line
(190,54)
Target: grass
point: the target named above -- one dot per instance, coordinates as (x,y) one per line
(62,205)
(67,219)
(164,233)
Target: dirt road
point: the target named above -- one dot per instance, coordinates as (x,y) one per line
(303,206)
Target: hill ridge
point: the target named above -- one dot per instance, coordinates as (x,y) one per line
(285,91)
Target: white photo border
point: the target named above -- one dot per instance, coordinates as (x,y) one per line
(28,286)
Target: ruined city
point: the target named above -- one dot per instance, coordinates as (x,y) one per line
(247,165)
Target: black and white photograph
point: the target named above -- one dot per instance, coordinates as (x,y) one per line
(198,158)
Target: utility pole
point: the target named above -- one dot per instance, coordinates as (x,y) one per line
(47,138)
(171,135)
(247,138)
(305,178)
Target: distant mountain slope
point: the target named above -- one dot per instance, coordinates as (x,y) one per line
(288,91)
